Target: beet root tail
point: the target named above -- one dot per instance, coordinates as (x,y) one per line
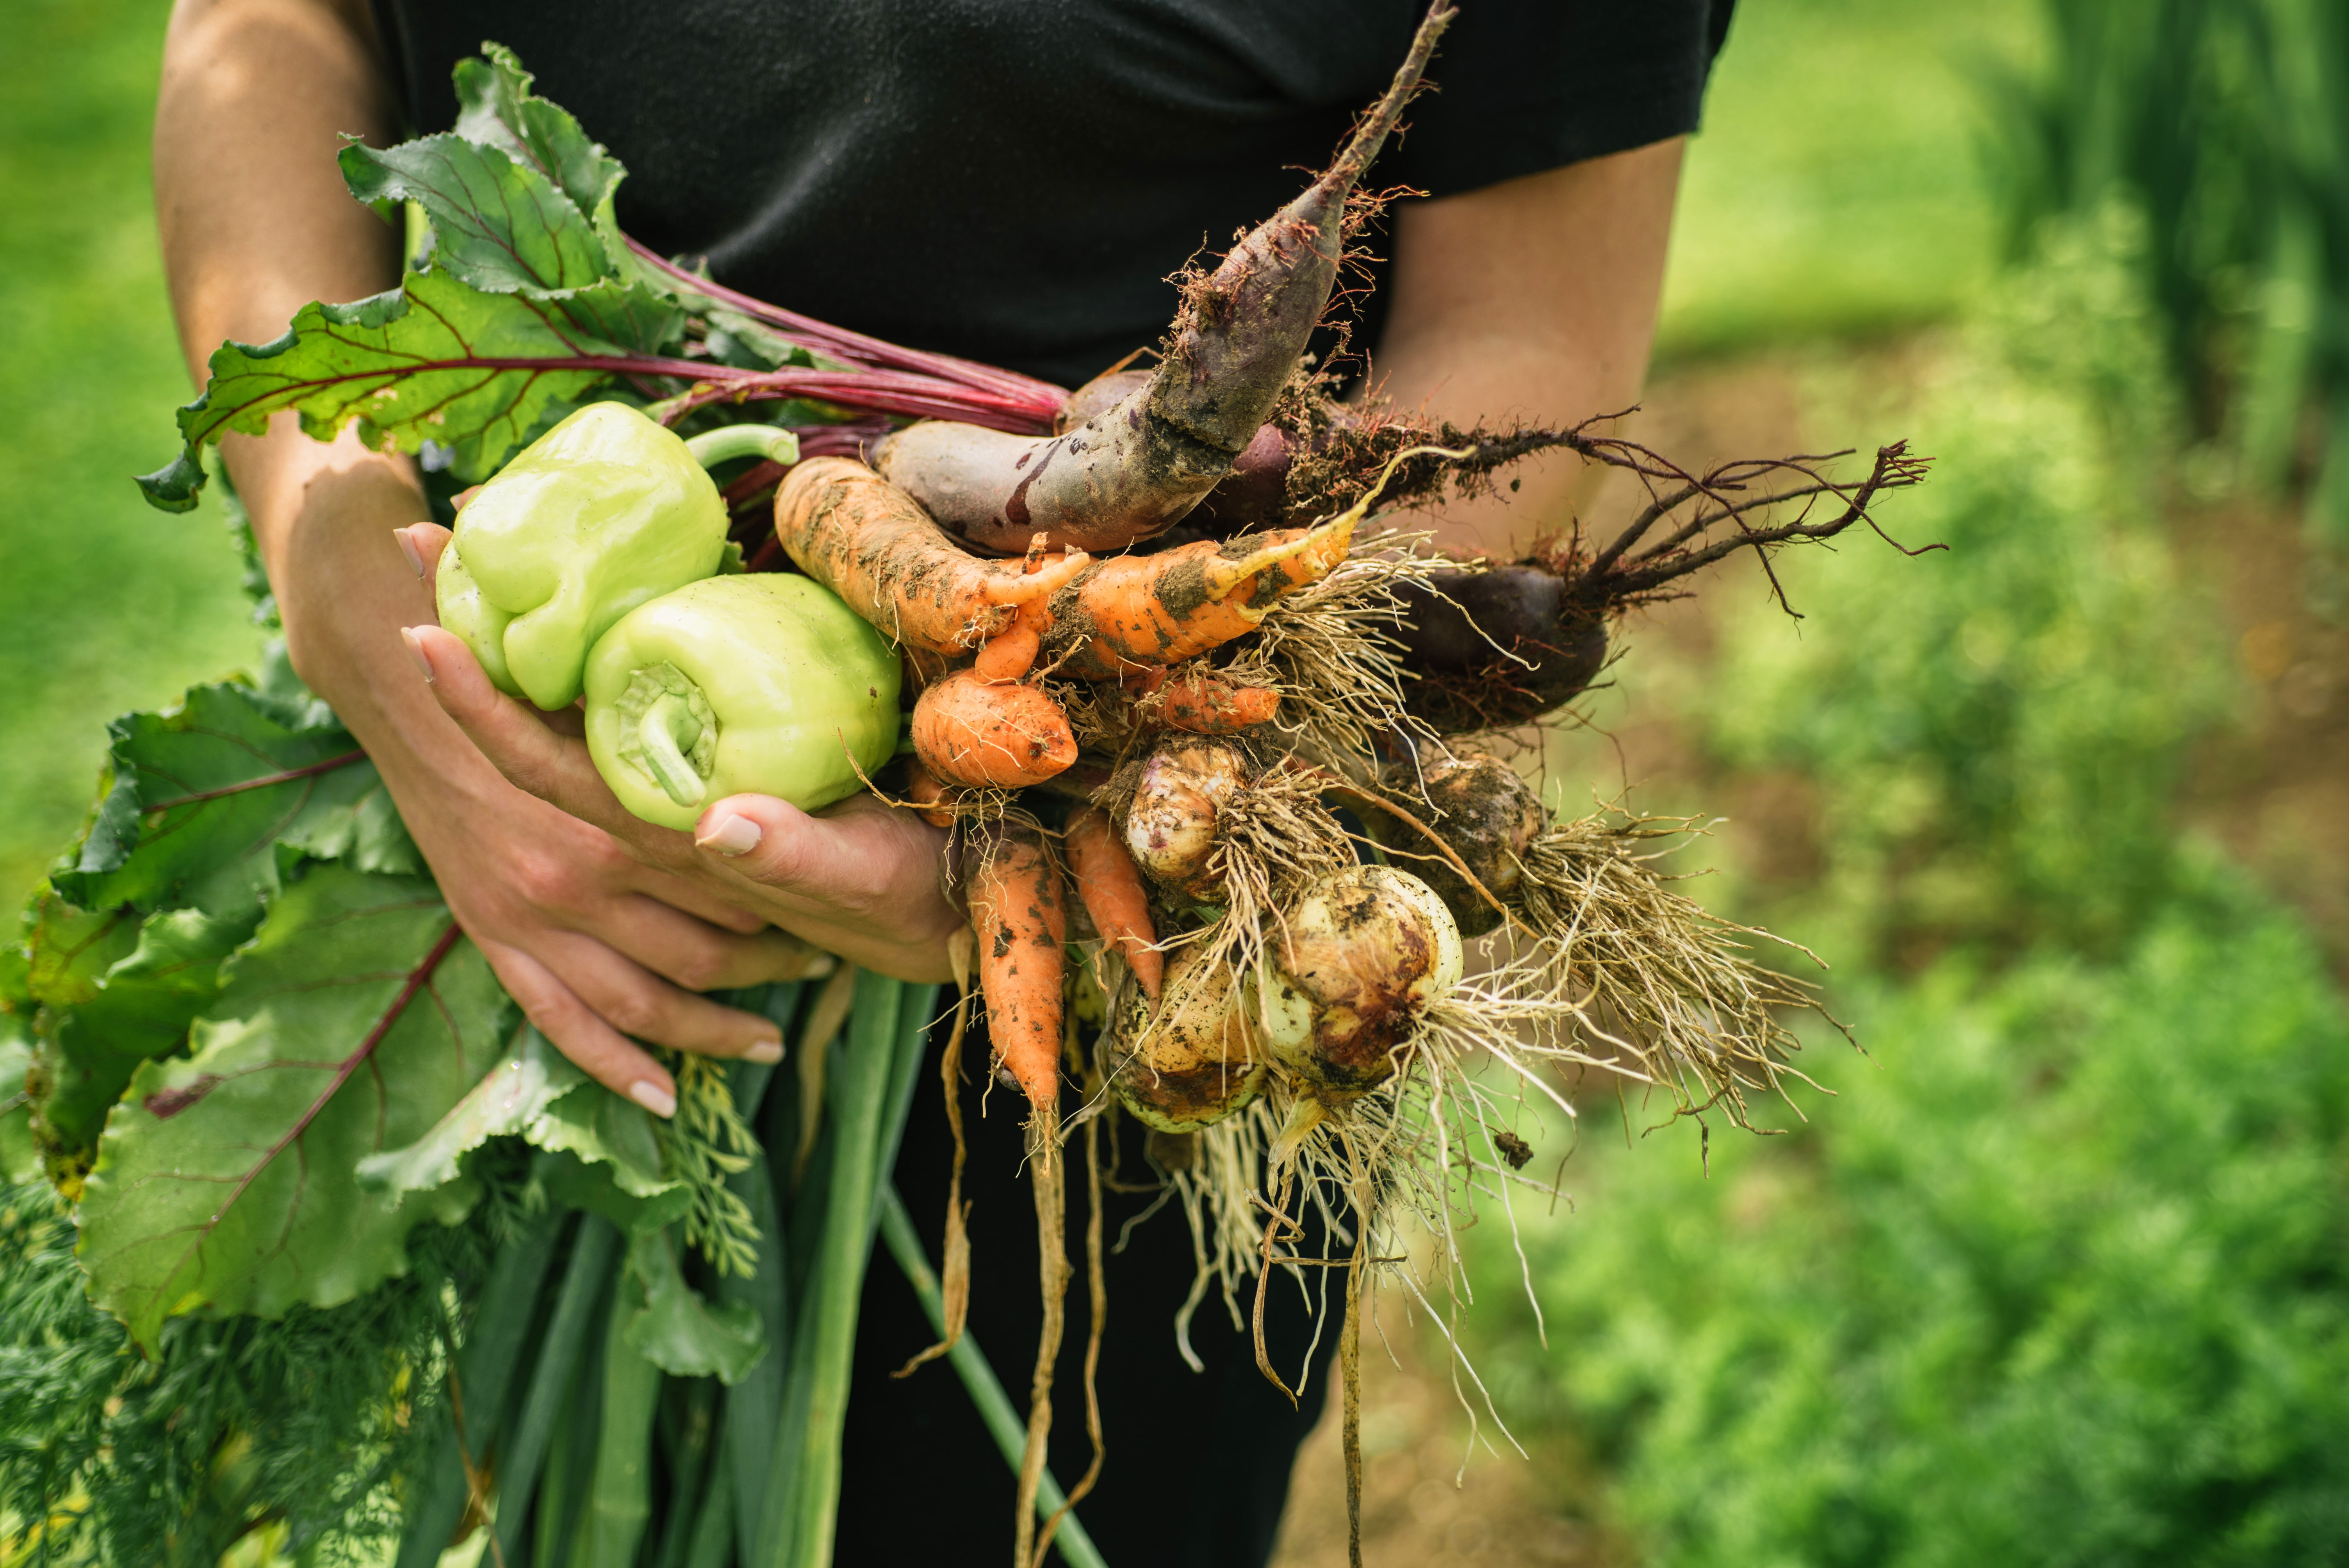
(1141,464)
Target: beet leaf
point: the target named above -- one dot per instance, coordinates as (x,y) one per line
(433,360)
(114,992)
(496,107)
(509,1100)
(500,226)
(226,1181)
(211,800)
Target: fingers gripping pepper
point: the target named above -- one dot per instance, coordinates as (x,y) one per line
(765,685)
(602,512)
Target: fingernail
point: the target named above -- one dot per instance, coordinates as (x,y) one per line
(416,651)
(766,1053)
(407,548)
(653,1097)
(733,836)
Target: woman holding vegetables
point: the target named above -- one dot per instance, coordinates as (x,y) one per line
(1011,182)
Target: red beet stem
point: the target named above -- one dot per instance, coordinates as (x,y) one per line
(1038,399)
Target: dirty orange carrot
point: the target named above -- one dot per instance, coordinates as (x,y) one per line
(868,542)
(923,788)
(1017,909)
(1130,612)
(1198,701)
(1010,654)
(976,735)
(1114,894)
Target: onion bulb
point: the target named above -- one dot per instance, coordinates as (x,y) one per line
(1197,1060)
(1170,827)
(1360,959)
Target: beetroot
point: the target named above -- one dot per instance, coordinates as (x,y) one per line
(1135,468)
(1496,649)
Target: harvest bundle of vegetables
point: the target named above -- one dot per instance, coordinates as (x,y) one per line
(1193,711)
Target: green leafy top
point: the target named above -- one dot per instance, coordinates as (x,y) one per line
(211,800)
(226,1180)
(496,109)
(533,299)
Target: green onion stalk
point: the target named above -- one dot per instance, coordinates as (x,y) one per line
(582,1452)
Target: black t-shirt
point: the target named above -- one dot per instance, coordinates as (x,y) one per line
(1014,180)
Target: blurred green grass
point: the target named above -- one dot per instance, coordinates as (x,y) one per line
(1837,190)
(104,605)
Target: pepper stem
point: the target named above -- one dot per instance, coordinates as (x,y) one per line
(668,732)
(712,447)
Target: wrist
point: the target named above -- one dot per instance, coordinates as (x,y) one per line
(323,519)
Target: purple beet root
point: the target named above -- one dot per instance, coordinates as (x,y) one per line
(1134,469)
(1467,639)
(1255,494)
(1097,397)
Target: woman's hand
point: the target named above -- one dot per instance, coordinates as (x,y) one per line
(858,879)
(596,946)
(255,100)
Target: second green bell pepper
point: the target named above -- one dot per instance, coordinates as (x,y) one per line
(760,685)
(602,512)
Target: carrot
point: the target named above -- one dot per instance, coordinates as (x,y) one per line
(866,541)
(1137,466)
(1114,894)
(1017,909)
(869,543)
(923,788)
(1131,613)
(1198,701)
(978,735)
(1009,655)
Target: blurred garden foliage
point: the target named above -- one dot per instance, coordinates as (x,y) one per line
(1993,731)
(2059,1279)
(2061,1273)
(2226,122)
(104,605)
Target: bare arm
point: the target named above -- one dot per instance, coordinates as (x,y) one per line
(596,945)
(1534,299)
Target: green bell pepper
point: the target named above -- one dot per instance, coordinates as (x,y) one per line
(766,684)
(602,512)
